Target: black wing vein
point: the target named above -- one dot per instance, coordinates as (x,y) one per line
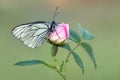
(32,34)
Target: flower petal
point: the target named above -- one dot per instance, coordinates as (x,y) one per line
(60,34)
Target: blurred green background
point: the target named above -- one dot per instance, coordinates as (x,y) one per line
(101,17)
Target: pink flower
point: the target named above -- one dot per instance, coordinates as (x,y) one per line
(59,35)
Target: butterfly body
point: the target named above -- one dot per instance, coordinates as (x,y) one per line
(53,25)
(34,34)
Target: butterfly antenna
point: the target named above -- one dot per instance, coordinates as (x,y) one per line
(55,13)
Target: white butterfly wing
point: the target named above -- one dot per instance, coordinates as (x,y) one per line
(32,34)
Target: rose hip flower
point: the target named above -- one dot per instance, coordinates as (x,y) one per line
(59,35)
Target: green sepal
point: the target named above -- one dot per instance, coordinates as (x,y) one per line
(54,50)
(62,67)
(67,47)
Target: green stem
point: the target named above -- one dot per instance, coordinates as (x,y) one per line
(67,58)
(58,69)
(55,68)
(56,65)
(61,74)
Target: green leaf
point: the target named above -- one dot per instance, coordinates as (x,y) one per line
(76,57)
(85,33)
(81,29)
(54,50)
(29,62)
(88,35)
(89,50)
(74,36)
(78,61)
(67,47)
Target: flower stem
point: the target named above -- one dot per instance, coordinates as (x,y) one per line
(67,58)
(57,68)
(61,74)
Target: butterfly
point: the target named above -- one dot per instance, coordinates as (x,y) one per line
(34,34)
